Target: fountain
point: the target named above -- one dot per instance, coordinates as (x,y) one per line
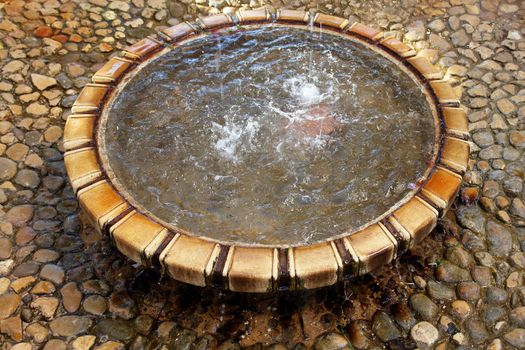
(266,150)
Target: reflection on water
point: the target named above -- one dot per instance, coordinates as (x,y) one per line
(269,135)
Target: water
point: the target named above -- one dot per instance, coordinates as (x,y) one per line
(269,136)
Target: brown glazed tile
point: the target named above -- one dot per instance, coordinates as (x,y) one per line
(441,188)
(157,246)
(444,92)
(400,48)
(373,247)
(417,217)
(101,203)
(366,31)
(348,258)
(427,69)
(142,49)
(178,31)
(82,167)
(215,21)
(455,154)
(251,270)
(455,120)
(252,15)
(133,233)
(331,21)
(293,15)
(79,130)
(315,266)
(112,70)
(186,259)
(284,269)
(90,98)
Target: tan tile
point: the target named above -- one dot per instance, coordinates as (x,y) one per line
(215,21)
(427,69)
(251,270)
(90,98)
(400,48)
(142,49)
(442,188)
(102,203)
(178,31)
(331,21)
(186,259)
(82,167)
(293,15)
(366,31)
(79,131)
(455,120)
(315,266)
(252,15)
(444,92)
(373,247)
(133,233)
(417,217)
(455,154)
(112,70)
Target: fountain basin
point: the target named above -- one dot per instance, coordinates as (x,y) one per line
(309,250)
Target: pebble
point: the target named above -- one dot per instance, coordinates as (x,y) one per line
(516,337)
(52,273)
(518,208)
(477,331)
(499,239)
(67,326)
(7,169)
(448,272)
(461,309)
(495,295)
(424,334)
(384,327)
(19,215)
(8,304)
(440,291)
(27,178)
(115,329)
(46,306)
(121,305)
(84,342)
(71,296)
(17,152)
(95,304)
(42,82)
(423,306)
(331,340)
(493,314)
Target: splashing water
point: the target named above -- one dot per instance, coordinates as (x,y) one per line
(235,136)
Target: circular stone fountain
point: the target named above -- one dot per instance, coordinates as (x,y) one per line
(266,151)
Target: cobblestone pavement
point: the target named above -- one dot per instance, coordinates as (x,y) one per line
(62,286)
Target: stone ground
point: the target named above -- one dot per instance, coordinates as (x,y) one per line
(62,286)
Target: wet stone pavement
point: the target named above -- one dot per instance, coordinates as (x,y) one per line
(62,286)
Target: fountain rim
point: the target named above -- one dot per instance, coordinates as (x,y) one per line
(140,235)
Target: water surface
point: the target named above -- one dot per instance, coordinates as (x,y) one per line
(269,136)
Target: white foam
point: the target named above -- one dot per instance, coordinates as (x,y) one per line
(232,138)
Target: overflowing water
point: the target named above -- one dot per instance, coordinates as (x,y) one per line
(272,136)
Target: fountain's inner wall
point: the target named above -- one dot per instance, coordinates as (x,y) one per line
(270,136)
